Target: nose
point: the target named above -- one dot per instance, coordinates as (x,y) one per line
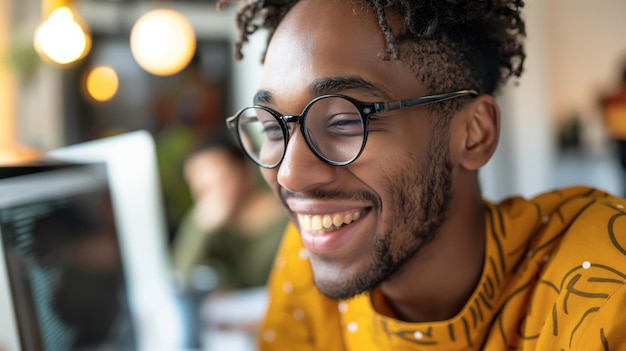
(301,170)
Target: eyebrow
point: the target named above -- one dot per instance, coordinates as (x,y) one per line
(263,96)
(331,85)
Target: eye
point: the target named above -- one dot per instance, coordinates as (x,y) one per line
(267,125)
(345,124)
(272,131)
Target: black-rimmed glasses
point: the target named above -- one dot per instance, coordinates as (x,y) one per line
(334,126)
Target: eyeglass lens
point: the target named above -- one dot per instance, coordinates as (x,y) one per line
(333,128)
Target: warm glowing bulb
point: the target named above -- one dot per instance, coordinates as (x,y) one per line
(163,42)
(61,38)
(102,83)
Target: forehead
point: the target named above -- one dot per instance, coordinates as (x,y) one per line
(211,159)
(321,39)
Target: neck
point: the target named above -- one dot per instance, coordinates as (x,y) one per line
(438,281)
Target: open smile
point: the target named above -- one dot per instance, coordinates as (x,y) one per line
(327,233)
(324,223)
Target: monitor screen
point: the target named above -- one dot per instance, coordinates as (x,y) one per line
(138,205)
(136,208)
(62,259)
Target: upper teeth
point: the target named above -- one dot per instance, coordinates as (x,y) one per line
(326,222)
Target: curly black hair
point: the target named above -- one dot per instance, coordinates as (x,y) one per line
(461,44)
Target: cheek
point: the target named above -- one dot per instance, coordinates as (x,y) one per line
(385,155)
(391,172)
(398,137)
(230,189)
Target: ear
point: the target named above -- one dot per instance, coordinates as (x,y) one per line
(478,132)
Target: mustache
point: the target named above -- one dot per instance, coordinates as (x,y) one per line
(356,195)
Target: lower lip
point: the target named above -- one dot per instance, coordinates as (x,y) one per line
(332,241)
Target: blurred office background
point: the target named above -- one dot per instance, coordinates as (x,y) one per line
(552,131)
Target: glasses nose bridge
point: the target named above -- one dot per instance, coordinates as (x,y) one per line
(287,119)
(291,118)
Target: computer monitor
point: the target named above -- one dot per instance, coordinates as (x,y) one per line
(62,277)
(137,208)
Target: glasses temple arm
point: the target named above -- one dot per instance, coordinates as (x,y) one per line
(395,105)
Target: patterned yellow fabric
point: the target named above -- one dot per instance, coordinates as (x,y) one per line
(553,279)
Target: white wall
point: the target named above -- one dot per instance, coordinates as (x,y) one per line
(574,49)
(588,40)
(526,144)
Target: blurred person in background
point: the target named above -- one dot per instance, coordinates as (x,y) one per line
(227,242)
(613,107)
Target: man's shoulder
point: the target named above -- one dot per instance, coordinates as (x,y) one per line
(573,264)
(591,225)
(555,213)
(568,204)
(584,242)
(587,267)
(557,197)
(572,225)
(582,208)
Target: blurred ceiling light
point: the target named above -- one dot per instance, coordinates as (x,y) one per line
(163,42)
(61,38)
(102,83)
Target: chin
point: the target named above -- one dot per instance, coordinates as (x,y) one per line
(339,284)
(335,292)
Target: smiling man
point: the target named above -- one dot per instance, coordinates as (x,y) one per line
(371,122)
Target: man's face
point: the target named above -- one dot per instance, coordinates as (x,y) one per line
(218,183)
(393,198)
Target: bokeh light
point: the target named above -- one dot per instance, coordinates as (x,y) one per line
(61,38)
(163,42)
(102,83)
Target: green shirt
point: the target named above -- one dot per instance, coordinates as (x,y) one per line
(241,261)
